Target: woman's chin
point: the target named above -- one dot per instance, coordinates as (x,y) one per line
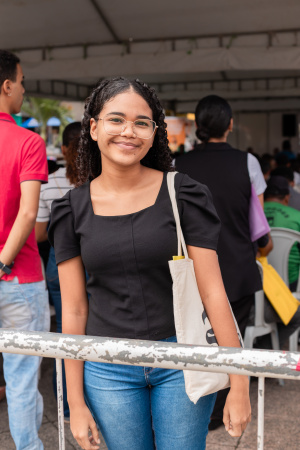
(127,159)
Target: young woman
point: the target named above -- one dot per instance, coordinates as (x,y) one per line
(119,225)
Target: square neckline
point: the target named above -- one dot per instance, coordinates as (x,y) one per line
(130,214)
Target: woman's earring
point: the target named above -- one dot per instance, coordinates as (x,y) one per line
(9,95)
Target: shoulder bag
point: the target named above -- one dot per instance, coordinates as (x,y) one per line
(258,223)
(191,322)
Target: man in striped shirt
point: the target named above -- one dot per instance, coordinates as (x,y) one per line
(59,183)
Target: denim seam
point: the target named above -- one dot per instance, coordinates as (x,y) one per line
(22,292)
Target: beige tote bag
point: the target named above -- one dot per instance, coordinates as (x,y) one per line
(191,322)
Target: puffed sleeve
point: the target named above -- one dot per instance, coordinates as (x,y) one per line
(199,220)
(61,232)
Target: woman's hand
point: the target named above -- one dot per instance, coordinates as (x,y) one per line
(81,423)
(237,410)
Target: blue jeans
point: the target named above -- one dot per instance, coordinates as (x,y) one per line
(54,292)
(24,307)
(143,408)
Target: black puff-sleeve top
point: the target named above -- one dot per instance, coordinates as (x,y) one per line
(127,256)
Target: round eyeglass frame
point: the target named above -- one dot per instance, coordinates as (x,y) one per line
(125,125)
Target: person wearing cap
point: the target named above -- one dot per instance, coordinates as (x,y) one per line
(286,172)
(279,214)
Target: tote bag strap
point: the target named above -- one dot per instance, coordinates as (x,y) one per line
(180,238)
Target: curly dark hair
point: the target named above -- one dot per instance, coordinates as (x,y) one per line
(89,156)
(70,141)
(71,157)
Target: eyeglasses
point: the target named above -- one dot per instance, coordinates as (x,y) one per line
(115,125)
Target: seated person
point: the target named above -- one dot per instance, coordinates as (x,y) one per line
(279,214)
(286,172)
(265,245)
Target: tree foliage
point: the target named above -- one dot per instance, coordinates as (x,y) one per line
(44,108)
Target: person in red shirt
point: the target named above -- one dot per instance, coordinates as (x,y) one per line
(23,297)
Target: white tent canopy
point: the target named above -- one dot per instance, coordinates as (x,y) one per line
(247,51)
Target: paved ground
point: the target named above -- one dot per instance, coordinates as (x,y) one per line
(282,419)
(49,428)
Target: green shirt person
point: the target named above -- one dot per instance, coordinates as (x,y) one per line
(279,214)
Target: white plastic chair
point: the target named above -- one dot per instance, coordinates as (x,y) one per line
(283,240)
(260,327)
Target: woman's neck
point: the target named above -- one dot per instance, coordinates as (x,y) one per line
(218,140)
(120,179)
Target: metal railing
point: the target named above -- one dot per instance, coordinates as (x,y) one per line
(258,363)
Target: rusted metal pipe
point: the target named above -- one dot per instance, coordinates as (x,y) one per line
(259,363)
(272,364)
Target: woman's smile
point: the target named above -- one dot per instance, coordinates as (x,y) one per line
(125,145)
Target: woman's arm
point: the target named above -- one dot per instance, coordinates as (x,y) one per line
(261,200)
(237,410)
(264,251)
(74,317)
(40,229)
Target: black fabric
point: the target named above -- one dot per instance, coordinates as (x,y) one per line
(263,241)
(127,256)
(224,170)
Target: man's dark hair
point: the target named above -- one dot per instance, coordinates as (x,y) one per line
(265,166)
(71,132)
(277,187)
(8,66)
(282,159)
(213,115)
(283,171)
(267,157)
